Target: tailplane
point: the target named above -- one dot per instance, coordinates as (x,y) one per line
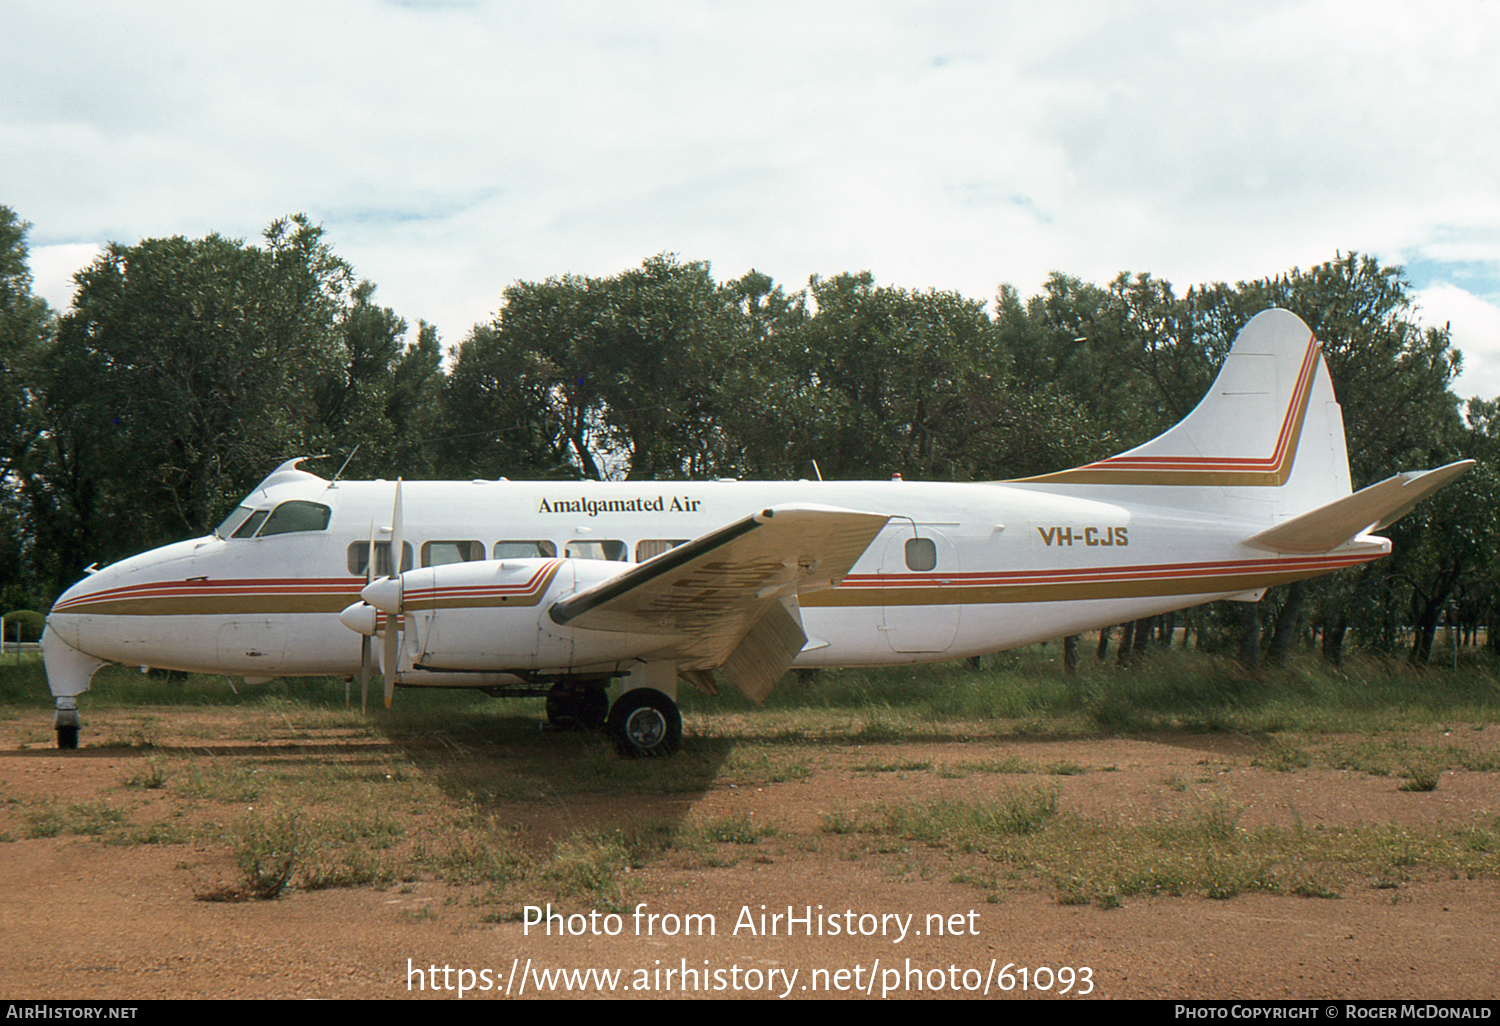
(1368,509)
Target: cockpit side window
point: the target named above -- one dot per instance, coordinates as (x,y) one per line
(232,522)
(297,515)
(253,521)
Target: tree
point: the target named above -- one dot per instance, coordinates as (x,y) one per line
(520,386)
(920,384)
(186,371)
(26,326)
(379,403)
(623,372)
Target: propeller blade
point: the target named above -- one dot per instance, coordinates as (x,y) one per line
(388,664)
(366,655)
(393,618)
(364,672)
(397,552)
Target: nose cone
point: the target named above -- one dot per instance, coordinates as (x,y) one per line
(384,595)
(359,618)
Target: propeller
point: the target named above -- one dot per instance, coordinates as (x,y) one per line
(365,654)
(393,617)
(379,595)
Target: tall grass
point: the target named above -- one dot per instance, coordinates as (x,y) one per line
(1022,692)
(431,795)
(1170,691)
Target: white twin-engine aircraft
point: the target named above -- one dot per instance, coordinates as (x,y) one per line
(583,591)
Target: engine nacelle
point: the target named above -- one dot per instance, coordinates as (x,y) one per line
(492,616)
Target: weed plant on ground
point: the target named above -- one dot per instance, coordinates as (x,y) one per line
(420,791)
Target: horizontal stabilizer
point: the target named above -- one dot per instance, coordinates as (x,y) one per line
(1377,506)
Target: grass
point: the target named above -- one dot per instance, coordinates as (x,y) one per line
(300,793)
(1023,840)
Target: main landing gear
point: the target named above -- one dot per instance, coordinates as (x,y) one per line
(643,723)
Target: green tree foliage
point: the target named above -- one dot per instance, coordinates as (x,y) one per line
(26,326)
(187,369)
(916,383)
(1133,354)
(378,405)
(190,368)
(620,374)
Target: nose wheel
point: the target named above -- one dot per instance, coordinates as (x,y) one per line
(66,720)
(645,724)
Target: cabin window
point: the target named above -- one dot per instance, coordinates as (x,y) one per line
(359,553)
(296,515)
(921,554)
(611,550)
(644,550)
(439,553)
(524,550)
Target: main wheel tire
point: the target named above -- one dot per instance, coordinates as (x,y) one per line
(645,724)
(67,738)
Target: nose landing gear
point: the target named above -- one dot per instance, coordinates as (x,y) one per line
(67,723)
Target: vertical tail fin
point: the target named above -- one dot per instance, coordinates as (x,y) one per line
(1266,442)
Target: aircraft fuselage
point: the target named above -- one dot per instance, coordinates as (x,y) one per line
(999,566)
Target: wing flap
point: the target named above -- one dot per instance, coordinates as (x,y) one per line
(766,652)
(1377,506)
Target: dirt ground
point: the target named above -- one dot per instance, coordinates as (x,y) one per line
(83,919)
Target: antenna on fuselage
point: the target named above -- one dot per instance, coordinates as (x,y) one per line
(344,464)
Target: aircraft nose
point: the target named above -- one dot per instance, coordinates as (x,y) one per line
(69,617)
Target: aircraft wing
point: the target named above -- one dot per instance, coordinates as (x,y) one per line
(1372,508)
(729,598)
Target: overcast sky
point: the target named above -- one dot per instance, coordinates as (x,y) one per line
(452,148)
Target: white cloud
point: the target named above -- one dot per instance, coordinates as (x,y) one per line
(1475,325)
(450,150)
(53,267)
